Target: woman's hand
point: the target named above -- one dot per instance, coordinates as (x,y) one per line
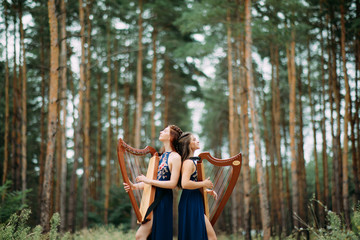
(142,178)
(207,183)
(212,193)
(128,187)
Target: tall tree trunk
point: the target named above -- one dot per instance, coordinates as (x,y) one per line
(126,113)
(79,127)
(87,119)
(232,140)
(98,140)
(6,135)
(337,161)
(345,183)
(117,113)
(23,106)
(58,152)
(166,89)
(318,194)
(139,73)
(63,71)
(357,102)
(292,122)
(15,121)
(277,128)
(52,116)
(301,160)
(264,205)
(109,132)
(272,150)
(326,199)
(77,137)
(42,116)
(239,56)
(331,103)
(153,87)
(355,138)
(289,218)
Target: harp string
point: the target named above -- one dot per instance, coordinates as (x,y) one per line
(220,176)
(135,167)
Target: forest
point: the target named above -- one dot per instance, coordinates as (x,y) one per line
(277,81)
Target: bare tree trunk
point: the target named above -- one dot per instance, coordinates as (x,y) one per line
(79,127)
(337,162)
(98,140)
(63,71)
(318,194)
(117,113)
(277,128)
(58,151)
(345,183)
(244,125)
(77,137)
(6,135)
(166,89)
(276,190)
(109,133)
(355,138)
(264,205)
(52,116)
(292,123)
(357,102)
(326,199)
(42,117)
(301,161)
(15,121)
(270,171)
(153,87)
(126,113)
(232,140)
(24,109)
(87,77)
(139,72)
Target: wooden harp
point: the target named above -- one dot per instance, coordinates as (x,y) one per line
(224,174)
(133,162)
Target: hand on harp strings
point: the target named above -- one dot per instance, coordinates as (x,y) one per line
(133,186)
(142,179)
(212,193)
(133,163)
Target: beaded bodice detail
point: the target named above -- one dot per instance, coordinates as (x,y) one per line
(194,175)
(164,173)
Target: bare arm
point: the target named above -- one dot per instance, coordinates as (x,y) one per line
(133,186)
(174,165)
(187,169)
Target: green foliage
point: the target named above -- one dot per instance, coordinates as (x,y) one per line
(16,228)
(335,229)
(12,201)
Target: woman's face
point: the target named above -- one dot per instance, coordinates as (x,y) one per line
(165,134)
(194,144)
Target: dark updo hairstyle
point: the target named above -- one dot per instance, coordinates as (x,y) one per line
(184,145)
(175,133)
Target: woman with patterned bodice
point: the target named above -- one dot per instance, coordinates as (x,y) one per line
(193,223)
(160,227)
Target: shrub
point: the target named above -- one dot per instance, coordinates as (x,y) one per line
(15,228)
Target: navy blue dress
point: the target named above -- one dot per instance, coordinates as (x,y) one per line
(162,227)
(191,213)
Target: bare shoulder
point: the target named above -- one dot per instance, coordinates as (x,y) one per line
(175,155)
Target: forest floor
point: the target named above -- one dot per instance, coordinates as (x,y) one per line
(112,233)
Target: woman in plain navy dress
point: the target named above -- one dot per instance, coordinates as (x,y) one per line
(193,223)
(160,227)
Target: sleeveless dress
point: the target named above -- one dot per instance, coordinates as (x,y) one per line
(162,227)
(191,213)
